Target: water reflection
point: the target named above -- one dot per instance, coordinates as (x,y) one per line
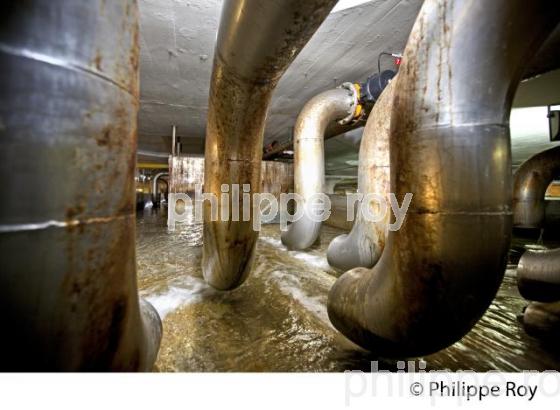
(277,321)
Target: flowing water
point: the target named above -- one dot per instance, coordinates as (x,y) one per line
(277,320)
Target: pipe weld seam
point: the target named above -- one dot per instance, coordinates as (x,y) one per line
(58,62)
(310,139)
(38,226)
(463,125)
(249,161)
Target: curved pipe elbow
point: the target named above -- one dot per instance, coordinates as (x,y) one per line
(538,275)
(531,181)
(450,148)
(155,185)
(412,304)
(351,250)
(309,159)
(228,253)
(301,234)
(362,247)
(156,179)
(153,331)
(542,320)
(256,44)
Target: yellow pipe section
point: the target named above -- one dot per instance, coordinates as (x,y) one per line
(152,165)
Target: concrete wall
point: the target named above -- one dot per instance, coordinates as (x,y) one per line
(185,172)
(277,177)
(338,217)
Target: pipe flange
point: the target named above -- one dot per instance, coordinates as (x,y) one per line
(355,108)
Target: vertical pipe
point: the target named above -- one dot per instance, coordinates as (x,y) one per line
(450,148)
(155,195)
(365,242)
(68,108)
(174,141)
(257,41)
(309,158)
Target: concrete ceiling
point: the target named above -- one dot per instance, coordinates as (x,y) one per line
(177,43)
(177,39)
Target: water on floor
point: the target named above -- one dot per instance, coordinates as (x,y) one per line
(277,320)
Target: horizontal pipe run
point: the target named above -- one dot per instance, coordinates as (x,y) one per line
(538,275)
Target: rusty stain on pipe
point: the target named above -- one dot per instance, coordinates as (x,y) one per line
(450,147)
(362,247)
(531,181)
(257,41)
(68,290)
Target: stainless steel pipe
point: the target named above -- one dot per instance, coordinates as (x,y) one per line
(309,158)
(155,193)
(365,242)
(333,130)
(538,275)
(450,147)
(542,320)
(257,41)
(68,108)
(531,181)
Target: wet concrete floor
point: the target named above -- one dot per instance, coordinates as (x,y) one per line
(277,320)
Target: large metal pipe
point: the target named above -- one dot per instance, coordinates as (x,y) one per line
(155,194)
(538,275)
(334,129)
(530,183)
(68,108)
(542,320)
(365,242)
(257,41)
(309,158)
(450,147)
